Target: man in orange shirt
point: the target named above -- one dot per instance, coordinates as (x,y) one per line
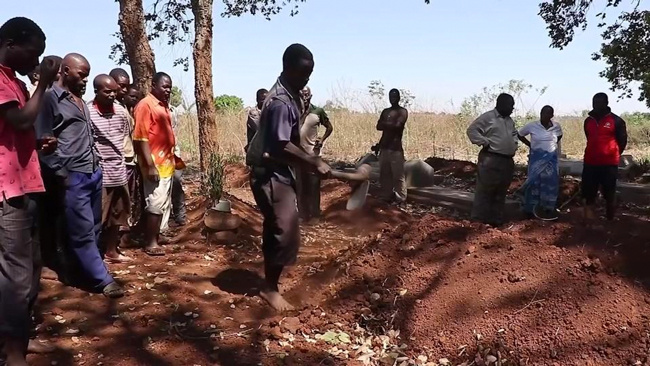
(154,143)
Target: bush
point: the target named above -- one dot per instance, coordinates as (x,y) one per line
(228,103)
(214,177)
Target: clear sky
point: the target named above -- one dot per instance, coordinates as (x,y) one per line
(442,52)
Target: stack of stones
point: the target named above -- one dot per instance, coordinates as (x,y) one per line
(221,223)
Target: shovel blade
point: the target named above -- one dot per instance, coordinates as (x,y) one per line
(358,196)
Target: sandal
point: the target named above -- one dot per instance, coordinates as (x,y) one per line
(119,260)
(154,251)
(113,291)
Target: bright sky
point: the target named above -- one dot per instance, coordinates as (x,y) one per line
(442,52)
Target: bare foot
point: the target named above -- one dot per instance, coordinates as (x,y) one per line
(14,353)
(48,274)
(276,301)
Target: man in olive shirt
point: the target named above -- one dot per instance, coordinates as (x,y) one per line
(391,153)
(308,183)
(496,133)
(253,119)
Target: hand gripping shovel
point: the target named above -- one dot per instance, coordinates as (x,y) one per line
(359,190)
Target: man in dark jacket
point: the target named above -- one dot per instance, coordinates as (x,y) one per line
(606,140)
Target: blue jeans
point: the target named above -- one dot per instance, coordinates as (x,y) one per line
(83,216)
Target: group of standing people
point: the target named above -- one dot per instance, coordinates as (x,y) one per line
(76,177)
(495,132)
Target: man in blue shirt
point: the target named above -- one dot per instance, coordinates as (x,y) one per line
(272,153)
(73,171)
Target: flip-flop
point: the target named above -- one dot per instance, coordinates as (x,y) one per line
(155,252)
(40,347)
(119,260)
(113,291)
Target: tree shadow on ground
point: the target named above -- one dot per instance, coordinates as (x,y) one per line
(152,337)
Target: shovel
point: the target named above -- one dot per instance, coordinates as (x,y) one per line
(360,190)
(360,176)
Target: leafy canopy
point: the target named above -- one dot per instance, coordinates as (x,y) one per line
(624,49)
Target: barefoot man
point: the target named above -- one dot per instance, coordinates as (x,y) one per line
(21,44)
(110,122)
(308,184)
(154,143)
(273,180)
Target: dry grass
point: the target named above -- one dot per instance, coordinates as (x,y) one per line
(427,134)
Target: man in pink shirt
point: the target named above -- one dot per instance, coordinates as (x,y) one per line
(22,42)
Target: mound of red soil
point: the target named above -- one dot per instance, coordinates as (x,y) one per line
(456,168)
(236,176)
(544,294)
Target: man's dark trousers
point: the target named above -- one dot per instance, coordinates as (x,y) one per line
(19,266)
(495,173)
(83,216)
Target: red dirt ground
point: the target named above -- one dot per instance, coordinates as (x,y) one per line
(530,294)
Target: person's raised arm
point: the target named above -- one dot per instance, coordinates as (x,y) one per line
(381,123)
(476,131)
(325,121)
(24,118)
(44,128)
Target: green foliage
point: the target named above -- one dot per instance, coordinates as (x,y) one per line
(176,99)
(407,98)
(228,103)
(485,100)
(267,8)
(637,119)
(214,177)
(333,106)
(624,49)
(377,93)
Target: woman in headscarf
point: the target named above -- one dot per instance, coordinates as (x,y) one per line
(541,188)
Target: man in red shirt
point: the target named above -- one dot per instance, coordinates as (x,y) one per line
(606,140)
(22,42)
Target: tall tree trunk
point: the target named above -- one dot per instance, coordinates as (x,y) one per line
(202,54)
(136,43)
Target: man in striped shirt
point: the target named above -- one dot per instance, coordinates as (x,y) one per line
(110,125)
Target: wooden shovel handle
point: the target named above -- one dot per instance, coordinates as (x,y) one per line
(361,174)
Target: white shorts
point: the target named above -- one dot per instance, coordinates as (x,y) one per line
(158,196)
